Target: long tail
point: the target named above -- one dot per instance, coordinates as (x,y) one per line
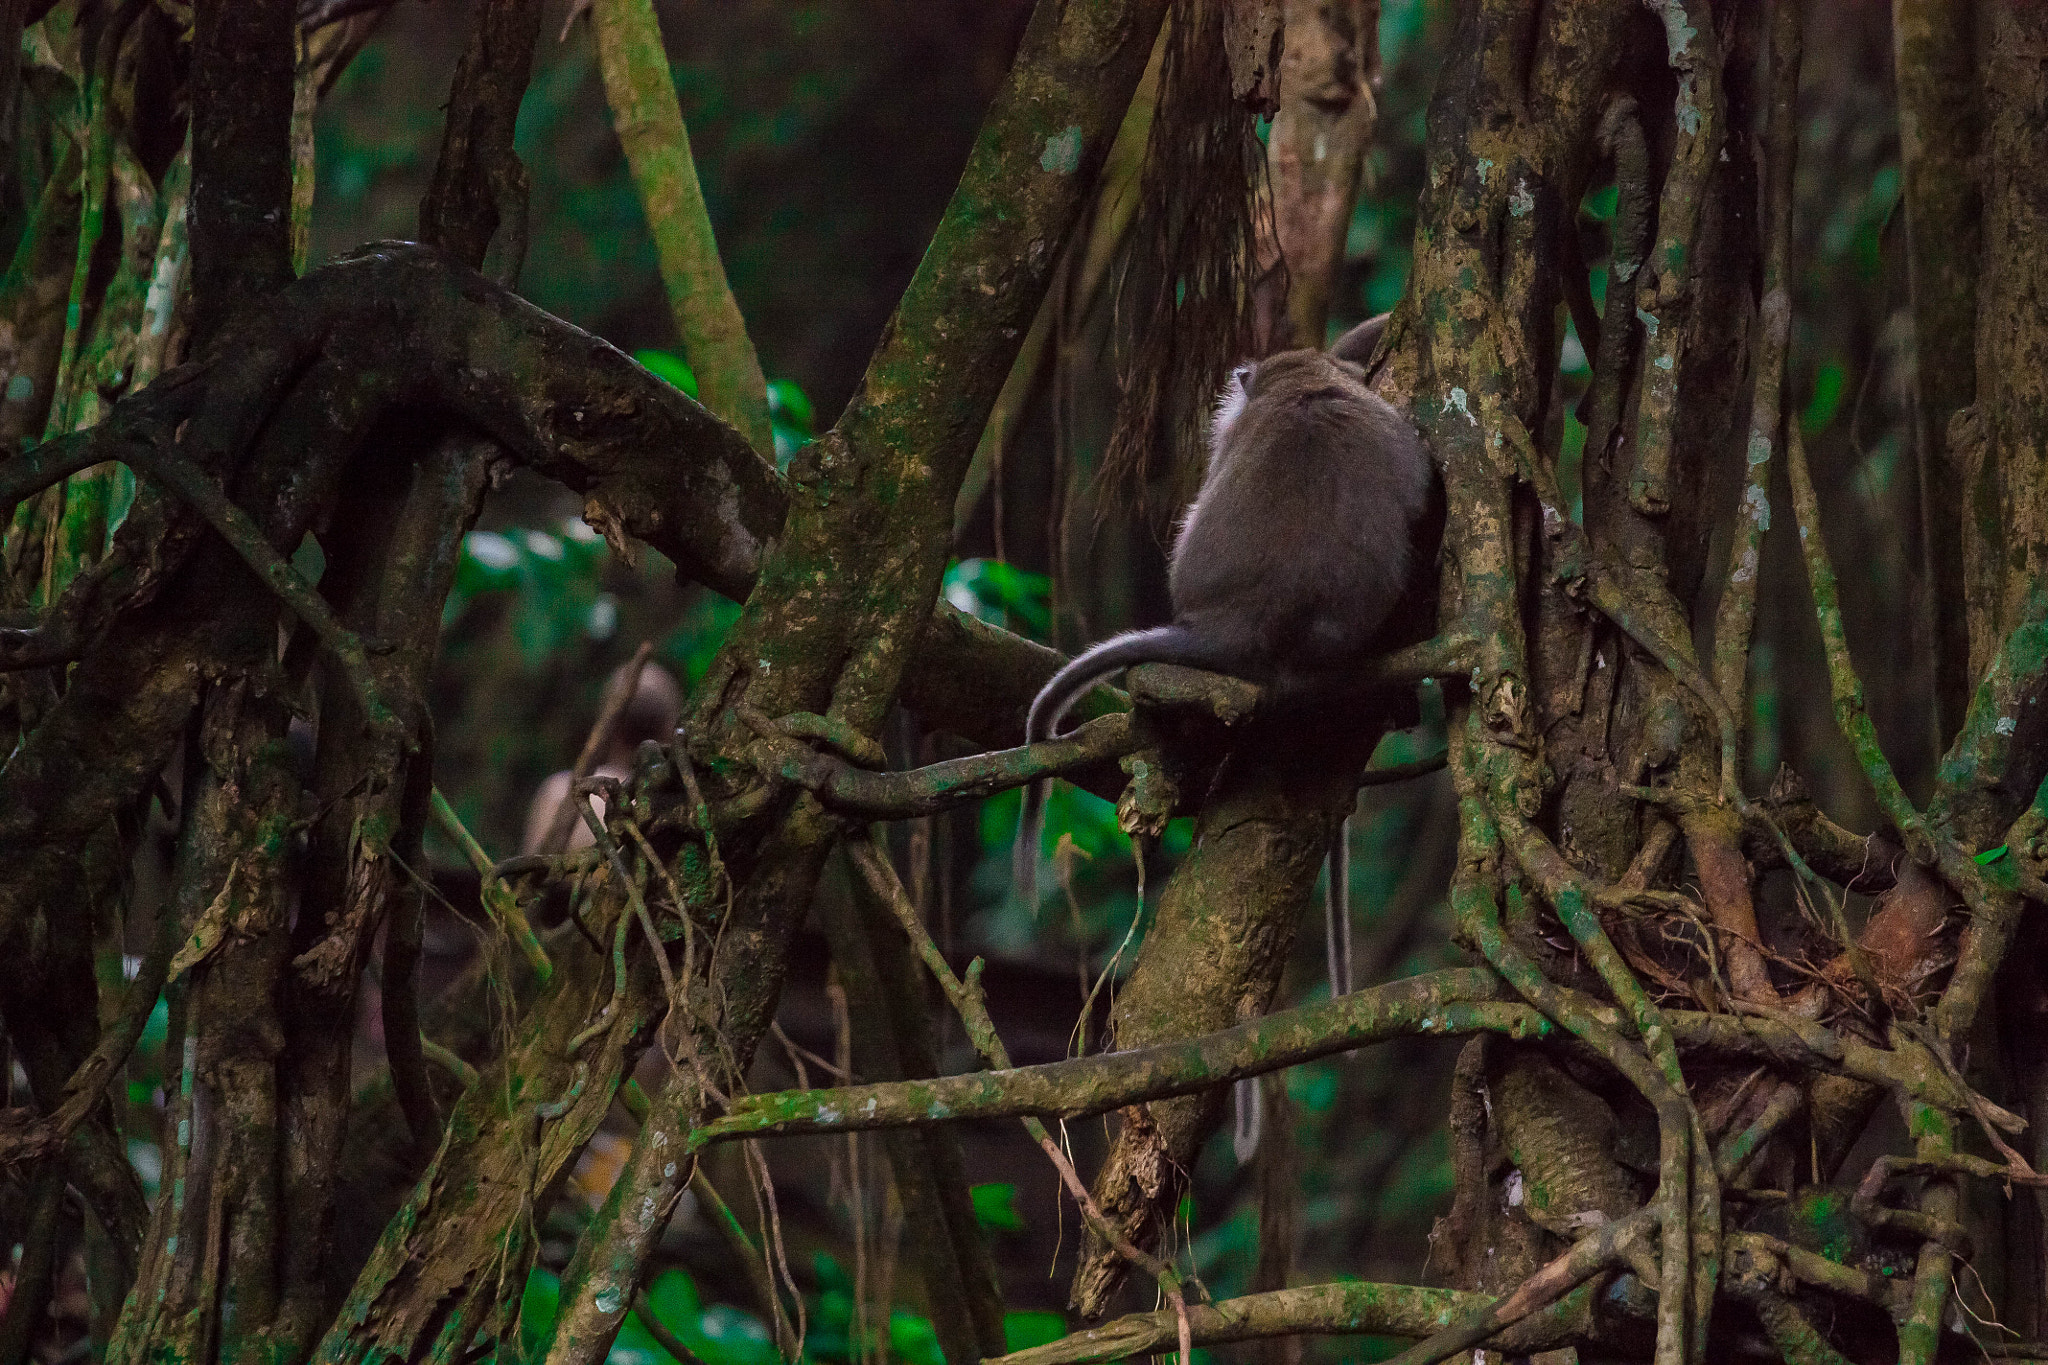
(1172,644)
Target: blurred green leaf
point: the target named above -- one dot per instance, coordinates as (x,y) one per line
(1225,1254)
(790,418)
(1828,383)
(1401,25)
(672,368)
(146,1061)
(147,1159)
(1001,594)
(674,1299)
(537,1309)
(995,1206)
(1036,1327)
(1312,1086)
(553,581)
(720,1334)
(912,1337)
(690,647)
(789,404)
(733,1337)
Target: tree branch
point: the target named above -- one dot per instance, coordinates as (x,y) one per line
(1447,1003)
(1453,1002)
(642,94)
(479,184)
(1737,611)
(1349,1308)
(871,795)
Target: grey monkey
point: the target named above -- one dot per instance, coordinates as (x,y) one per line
(1293,555)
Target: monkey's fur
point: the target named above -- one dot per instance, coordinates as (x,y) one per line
(1292,556)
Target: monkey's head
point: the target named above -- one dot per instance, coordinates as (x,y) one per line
(1305,376)
(650,713)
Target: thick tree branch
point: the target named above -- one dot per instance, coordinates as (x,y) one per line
(1737,611)
(1934,61)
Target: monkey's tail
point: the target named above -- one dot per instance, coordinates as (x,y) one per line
(1174,644)
(1171,644)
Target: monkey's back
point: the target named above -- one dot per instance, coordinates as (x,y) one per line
(1298,545)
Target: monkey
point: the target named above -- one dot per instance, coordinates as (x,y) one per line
(1293,555)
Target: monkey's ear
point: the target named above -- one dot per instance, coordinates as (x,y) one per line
(1357,344)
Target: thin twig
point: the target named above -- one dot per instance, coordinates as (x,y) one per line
(658,1329)
(499,902)
(604,840)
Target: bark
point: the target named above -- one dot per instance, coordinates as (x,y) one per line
(893,1041)
(841,599)
(1212,958)
(1316,152)
(2011,396)
(479,184)
(2011,422)
(242,69)
(1933,46)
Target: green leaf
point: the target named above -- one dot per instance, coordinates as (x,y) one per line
(791,405)
(731,1337)
(995,1206)
(1313,1086)
(690,647)
(673,1297)
(1001,594)
(1828,383)
(1036,1327)
(1991,855)
(672,369)
(913,1338)
(831,1275)
(537,1309)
